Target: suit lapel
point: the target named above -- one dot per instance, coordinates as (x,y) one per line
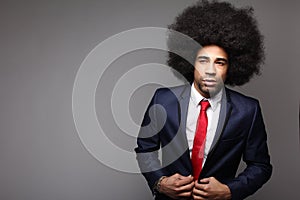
(183,100)
(225,112)
(183,108)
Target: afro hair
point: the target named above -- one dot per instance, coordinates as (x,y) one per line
(222,24)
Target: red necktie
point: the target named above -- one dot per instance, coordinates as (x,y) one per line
(199,140)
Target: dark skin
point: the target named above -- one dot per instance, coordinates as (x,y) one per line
(184,187)
(210,188)
(178,186)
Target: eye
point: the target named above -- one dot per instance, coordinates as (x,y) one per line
(203,61)
(220,63)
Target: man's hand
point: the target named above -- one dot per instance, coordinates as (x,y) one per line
(177,186)
(211,189)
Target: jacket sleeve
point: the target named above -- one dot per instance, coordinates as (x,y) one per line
(148,142)
(258,170)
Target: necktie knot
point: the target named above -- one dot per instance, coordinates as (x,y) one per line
(204,105)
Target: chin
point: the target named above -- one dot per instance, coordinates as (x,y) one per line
(213,91)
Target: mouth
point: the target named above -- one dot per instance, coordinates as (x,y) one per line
(208,82)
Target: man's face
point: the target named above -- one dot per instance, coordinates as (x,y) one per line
(211,67)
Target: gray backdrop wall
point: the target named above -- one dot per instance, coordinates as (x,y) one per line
(43,44)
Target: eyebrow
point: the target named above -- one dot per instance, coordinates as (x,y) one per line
(203,57)
(222,59)
(217,59)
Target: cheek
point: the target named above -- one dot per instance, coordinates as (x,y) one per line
(224,74)
(198,71)
(197,74)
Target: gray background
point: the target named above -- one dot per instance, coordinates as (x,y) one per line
(43,44)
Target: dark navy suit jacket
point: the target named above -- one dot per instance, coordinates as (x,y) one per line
(162,148)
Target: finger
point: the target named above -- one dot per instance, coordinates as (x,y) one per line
(184,180)
(179,176)
(201,186)
(176,176)
(198,198)
(187,187)
(204,181)
(185,194)
(200,193)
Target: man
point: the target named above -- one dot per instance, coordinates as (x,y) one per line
(204,129)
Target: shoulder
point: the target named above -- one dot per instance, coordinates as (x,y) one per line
(237,98)
(170,94)
(177,91)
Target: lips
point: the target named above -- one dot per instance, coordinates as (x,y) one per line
(209,82)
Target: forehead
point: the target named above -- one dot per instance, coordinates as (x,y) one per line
(212,51)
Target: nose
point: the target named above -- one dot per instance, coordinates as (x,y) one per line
(210,69)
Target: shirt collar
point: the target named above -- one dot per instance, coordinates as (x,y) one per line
(197,97)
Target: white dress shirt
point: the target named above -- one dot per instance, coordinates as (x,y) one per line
(213,113)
